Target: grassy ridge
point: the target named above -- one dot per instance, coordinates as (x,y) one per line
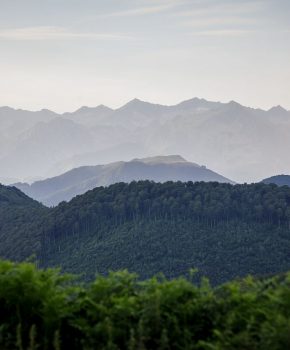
(41,309)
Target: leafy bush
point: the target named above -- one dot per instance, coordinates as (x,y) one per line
(42,309)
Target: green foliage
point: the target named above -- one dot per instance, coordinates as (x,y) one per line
(20,224)
(225,231)
(33,304)
(41,309)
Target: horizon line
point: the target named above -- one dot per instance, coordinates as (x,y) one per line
(142,101)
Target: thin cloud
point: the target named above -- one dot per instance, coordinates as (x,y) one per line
(209,22)
(141,11)
(224,9)
(221,19)
(221,33)
(55,33)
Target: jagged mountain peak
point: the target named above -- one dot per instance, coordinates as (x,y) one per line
(234,104)
(138,104)
(278,109)
(86,109)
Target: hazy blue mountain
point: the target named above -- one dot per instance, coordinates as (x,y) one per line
(15,121)
(89,116)
(242,143)
(232,139)
(79,180)
(137,113)
(279,113)
(124,151)
(43,145)
(280,180)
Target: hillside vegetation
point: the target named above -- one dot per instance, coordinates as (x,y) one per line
(225,231)
(20,229)
(44,310)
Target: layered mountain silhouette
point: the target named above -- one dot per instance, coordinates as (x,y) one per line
(279,180)
(77,181)
(242,143)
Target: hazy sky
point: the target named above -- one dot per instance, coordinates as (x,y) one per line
(61,54)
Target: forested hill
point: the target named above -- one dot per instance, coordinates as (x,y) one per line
(223,230)
(211,202)
(19,224)
(13,196)
(280,180)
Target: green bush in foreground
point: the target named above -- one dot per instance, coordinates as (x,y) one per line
(42,309)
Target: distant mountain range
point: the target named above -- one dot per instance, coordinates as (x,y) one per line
(280,180)
(77,181)
(242,143)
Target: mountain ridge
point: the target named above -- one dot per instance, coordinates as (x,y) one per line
(138,100)
(279,180)
(221,135)
(79,180)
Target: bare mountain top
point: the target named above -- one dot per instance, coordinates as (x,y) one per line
(161,159)
(79,180)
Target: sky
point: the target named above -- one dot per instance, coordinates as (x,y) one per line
(63,54)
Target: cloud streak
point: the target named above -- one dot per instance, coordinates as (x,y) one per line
(56,33)
(218,21)
(147,10)
(221,33)
(221,9)
(221,19)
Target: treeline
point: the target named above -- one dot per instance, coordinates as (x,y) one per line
(146,227)
(224,230)
(208,203)
(41,309)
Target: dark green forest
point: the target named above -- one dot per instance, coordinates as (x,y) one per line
(42,309)
(223,230)
(20,218)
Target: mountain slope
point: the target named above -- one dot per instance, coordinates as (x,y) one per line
(232,139)
(228,137)
(89,116)
(79,180)
(43,145)
(225,231)
(20,229)
(280,180)
(14,122)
